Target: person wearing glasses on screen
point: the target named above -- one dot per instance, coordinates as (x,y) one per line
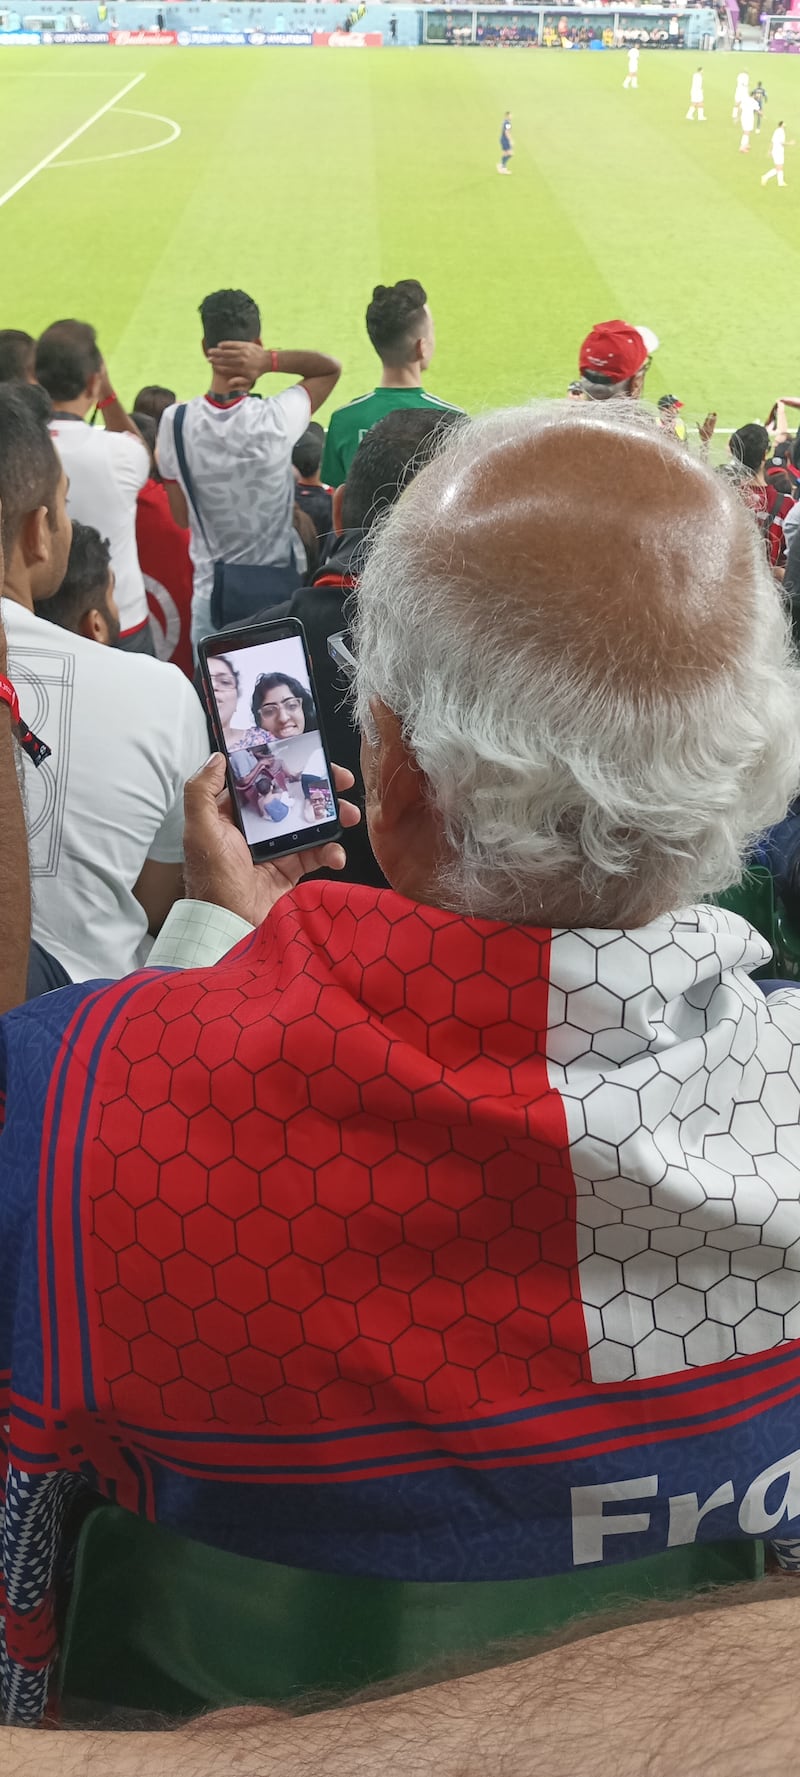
(281,707)
(227,688)
(318,805)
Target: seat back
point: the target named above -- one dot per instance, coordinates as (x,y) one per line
(157,1622)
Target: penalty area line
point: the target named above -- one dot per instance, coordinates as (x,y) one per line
(6,196)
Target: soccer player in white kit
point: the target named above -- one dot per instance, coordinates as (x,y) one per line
(632,76)
(777,149)
(749,109)
(742,88)
(696,98)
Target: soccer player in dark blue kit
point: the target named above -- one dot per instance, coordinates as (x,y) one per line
(506,145)
(760,95)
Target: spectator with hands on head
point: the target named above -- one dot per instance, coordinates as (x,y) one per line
(226,460)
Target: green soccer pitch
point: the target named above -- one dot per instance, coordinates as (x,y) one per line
(308,176)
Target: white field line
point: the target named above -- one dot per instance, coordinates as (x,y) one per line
(53,155)
(88,160)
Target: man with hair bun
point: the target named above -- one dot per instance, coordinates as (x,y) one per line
(400,327)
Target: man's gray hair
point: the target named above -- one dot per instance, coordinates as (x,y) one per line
(549,769)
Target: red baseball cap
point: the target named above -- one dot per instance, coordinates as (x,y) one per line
(616,350)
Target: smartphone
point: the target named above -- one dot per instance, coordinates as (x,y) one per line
(264,710)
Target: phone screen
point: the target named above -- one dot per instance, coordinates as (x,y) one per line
(267,720)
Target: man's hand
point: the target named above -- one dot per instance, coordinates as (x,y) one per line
(781,432)
(219,867)
(707,429)
(115,419)
(240,361)
(106,386)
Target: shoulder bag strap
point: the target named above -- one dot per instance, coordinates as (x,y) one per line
(180,452)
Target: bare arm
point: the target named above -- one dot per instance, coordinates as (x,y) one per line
(705,1691)
(15,892)
(177,502)
(239,361)
(318,373)
(159,886)
(706,430)
(115,419)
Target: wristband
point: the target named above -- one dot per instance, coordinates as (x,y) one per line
(273,361)
(35,749)
(108,401)
(8,695)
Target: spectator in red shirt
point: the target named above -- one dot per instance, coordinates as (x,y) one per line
(749,448)
(165,562)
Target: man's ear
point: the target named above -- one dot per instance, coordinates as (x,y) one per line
(205,348)
(402,825)
(93,626)
(398,781)
(92,390)
(33,536)
(338,504)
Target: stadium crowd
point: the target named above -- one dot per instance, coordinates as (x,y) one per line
(392,1209)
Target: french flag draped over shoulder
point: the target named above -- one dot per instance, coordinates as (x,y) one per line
(478,1246)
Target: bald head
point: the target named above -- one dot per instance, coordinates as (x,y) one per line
(605,547)
(575,666)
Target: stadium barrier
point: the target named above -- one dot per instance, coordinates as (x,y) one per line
(214,24)
(178,24)
(75,36)
(146,39)
(141,39)
(243,39)
(348,39)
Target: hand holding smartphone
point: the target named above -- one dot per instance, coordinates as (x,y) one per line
(260,692)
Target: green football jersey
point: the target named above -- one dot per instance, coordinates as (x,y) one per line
(348,425)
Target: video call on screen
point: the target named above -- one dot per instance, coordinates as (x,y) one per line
(269,722)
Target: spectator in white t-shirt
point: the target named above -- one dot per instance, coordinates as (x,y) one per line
(239,450)
(105,811)
(106,465)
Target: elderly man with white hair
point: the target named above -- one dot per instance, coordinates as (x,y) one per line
(450,1230)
